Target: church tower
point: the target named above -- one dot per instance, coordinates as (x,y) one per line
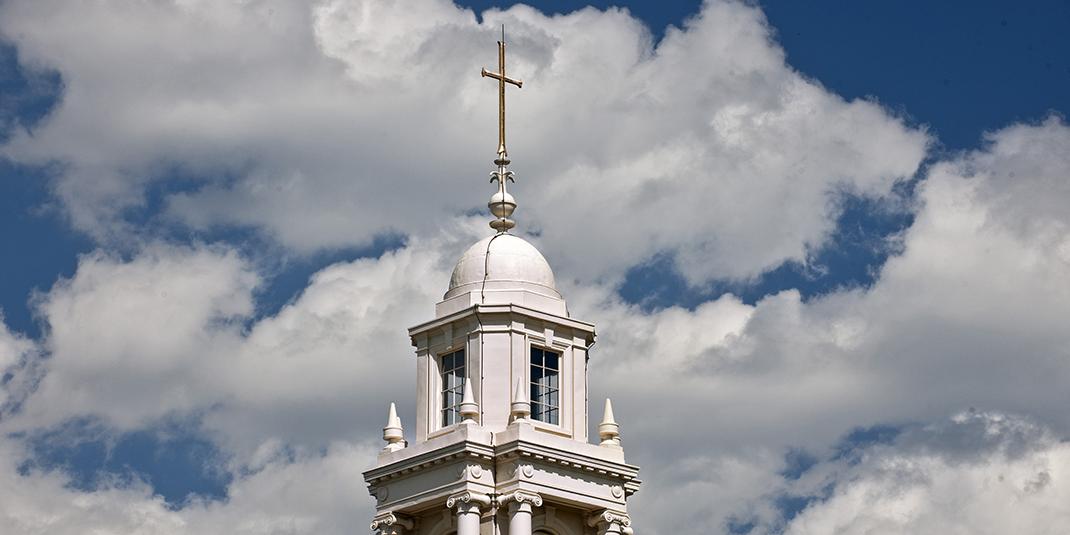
(500,443)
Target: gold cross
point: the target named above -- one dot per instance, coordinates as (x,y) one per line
(502,80)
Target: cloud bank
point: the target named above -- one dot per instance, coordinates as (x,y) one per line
(324,125)
(317,124)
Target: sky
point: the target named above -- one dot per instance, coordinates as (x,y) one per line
(825,246)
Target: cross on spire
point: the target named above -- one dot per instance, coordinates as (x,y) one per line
(502,80)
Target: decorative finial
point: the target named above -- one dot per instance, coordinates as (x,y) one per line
(501,203)
(468,409)
(392,433)
(609,429)
(520,409)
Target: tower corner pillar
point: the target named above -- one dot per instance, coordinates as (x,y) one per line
(521,505)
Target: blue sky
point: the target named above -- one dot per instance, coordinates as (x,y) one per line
(828,223)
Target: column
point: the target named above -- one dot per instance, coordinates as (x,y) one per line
(520,508)
(468,519)
(468,515)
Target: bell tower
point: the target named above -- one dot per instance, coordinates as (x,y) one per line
(500,443)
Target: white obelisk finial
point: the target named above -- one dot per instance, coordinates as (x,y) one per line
(609,429)
(468,409)
(393,433)
(520,409)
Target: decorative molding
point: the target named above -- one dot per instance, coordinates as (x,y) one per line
(519,449)
(381,494)
(474,471)
(617,491)
(467,497)
(525,471)
(389,522)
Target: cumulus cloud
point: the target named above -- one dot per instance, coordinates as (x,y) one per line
(16,362)
(622,152)
(970,314)
(319,123)
(1013,477)
(310,494)
(744,383)
(171,331)
(167,313)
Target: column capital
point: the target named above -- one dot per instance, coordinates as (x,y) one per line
(610,522)
(391,523)
(469,498)
(521,497)
(468,516)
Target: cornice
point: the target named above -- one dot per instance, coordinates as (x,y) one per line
(575,324)
(521,448)
(403,467)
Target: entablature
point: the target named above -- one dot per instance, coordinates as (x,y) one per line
(519,459)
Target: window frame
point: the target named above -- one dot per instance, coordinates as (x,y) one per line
(551,409)
(455,392)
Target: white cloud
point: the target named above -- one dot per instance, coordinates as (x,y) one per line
(132,338)
(326,124)
(171,331)
(968,315)
(1014,478)
(16,354)
(622,150)
(312,494)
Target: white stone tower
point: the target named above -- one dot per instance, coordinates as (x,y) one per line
(500,442)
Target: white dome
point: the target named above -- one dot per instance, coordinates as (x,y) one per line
(512,263)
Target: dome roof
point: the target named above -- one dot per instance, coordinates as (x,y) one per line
(502,261)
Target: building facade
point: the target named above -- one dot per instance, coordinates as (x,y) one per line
(500,440)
